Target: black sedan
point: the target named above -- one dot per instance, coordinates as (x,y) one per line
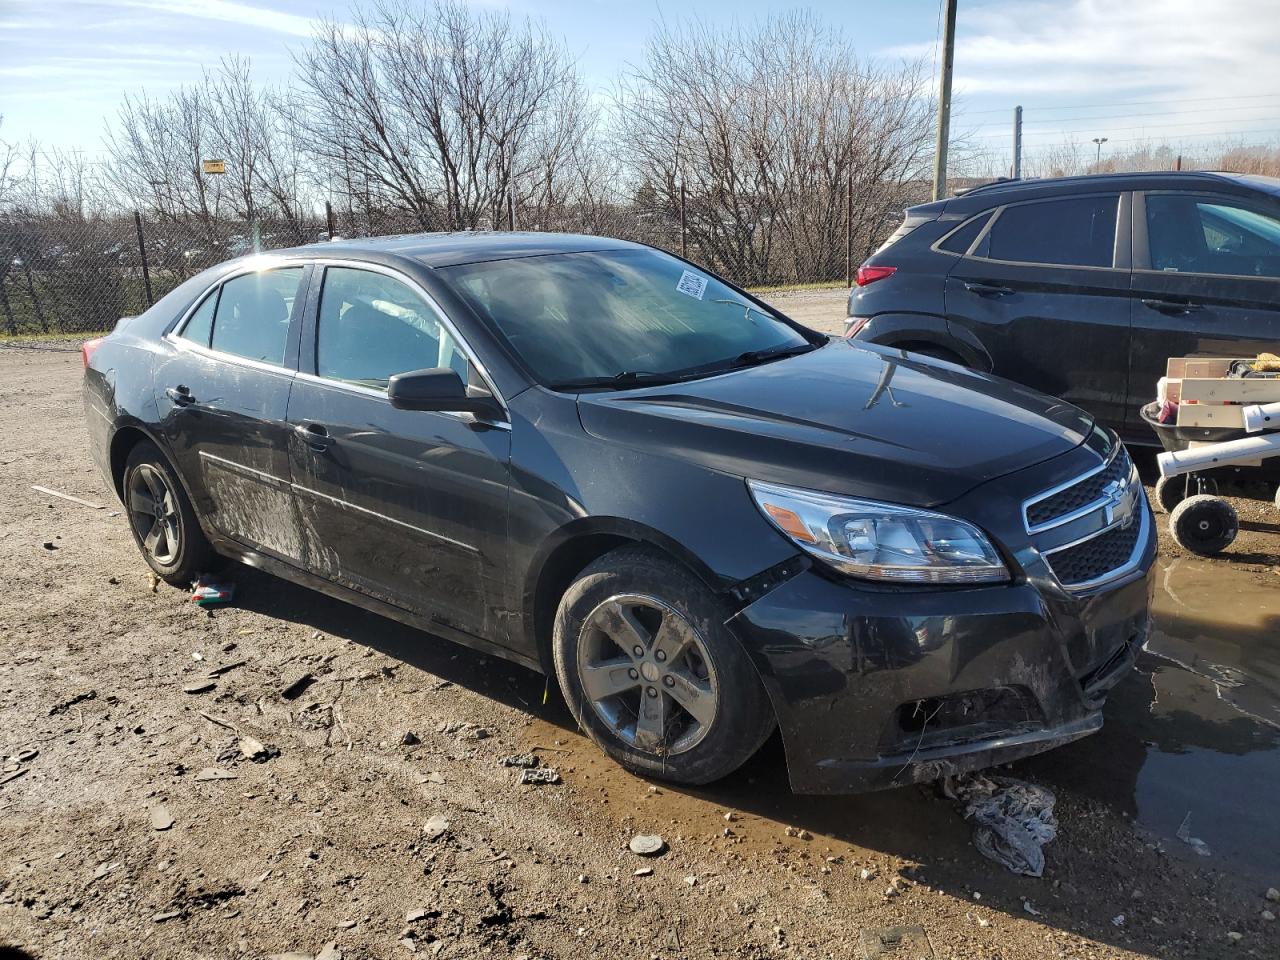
(603,462)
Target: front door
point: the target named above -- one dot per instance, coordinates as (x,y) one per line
(406,506)
(1046,290)
(223,394)
(1206,282)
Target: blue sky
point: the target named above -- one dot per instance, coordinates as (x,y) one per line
(1141,69)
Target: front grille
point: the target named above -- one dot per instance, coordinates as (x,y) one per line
(1087,491)
(1097,557)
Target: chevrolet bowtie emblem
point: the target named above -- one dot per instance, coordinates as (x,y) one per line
(1119,502)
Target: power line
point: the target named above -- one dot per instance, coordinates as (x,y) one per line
(1166,130)
(1128,116)
(1163,141)
(1135,103)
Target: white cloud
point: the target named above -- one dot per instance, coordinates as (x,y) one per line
(1105,55)
(1090,46)
(228,11)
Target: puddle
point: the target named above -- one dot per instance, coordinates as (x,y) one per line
(1197,730)
(1223,625)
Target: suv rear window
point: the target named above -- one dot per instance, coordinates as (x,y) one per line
(1080,231)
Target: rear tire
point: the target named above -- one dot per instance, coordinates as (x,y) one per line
(1204,524)
(161,518)
(652,674)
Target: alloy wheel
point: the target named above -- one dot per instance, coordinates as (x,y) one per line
(647,674)
(153,511)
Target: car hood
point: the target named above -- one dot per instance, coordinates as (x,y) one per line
(862,420)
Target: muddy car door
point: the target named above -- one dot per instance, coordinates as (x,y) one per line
(408,506)
(222,392)
(1206,282)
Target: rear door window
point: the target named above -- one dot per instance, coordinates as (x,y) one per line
(1075,232)
(1200,235)
(252,316)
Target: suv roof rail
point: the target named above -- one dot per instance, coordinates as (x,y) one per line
(997,182)
(1008,182)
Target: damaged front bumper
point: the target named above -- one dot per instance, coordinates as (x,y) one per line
(877,687)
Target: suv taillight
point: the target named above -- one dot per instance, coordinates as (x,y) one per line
(87,348)
(866,274)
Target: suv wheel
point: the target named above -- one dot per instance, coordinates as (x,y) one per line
(161,518)
(652,674)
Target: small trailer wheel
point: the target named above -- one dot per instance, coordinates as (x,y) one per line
(1204,524)
(1170,491)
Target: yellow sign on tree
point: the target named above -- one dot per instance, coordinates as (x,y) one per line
(215,166)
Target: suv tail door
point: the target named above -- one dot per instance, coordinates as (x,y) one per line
(1045,288)
(1206,282)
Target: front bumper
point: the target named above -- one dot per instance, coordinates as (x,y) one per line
(875,688)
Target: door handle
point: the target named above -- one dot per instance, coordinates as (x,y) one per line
(180,395)
(1172,306)
(987,289)
(315,435)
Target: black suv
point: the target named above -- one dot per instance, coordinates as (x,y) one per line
(1082,287)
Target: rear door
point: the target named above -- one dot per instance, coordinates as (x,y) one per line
(1045,288)
(408,506)
(1206,282)
(222,393)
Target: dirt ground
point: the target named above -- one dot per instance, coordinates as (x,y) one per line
(133,823)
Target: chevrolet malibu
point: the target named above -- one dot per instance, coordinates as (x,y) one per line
(602,462)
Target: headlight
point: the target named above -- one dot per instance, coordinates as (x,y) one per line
(881,541)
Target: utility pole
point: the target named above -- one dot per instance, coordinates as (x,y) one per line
(1016,171)
(1097,161)
(944,103)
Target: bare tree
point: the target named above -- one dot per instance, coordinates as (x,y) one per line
(437,110)
(765,127)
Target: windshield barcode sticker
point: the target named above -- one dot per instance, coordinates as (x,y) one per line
(692,285)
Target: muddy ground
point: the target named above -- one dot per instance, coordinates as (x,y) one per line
(323,839)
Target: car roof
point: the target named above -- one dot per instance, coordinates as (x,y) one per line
(452,249)
(1006,191)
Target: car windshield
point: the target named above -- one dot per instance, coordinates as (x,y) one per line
(621,318)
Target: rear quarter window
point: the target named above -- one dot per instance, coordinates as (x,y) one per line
(961,239)
(199,328)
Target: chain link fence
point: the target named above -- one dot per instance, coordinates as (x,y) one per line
(80,273)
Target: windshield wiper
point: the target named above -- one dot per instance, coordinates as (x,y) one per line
(619,381)
(753,357)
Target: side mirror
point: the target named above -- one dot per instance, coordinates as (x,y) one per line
(439,388)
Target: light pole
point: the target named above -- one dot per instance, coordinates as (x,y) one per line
(1099,141)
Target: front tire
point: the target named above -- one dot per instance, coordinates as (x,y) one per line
(1204,524)
(652,674)
(161,518)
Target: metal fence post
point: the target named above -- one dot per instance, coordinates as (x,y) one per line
(684,232)
(8,310)
(848,232)
(328,218)
(35,300)
(142,252)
